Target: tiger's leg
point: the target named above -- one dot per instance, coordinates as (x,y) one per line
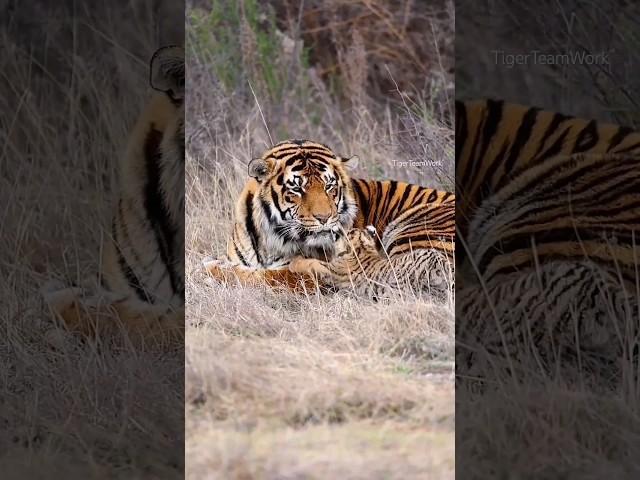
(309,266)
(328,280)
(226,273)
(108,314)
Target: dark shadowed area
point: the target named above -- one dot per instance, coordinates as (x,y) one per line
(74,76)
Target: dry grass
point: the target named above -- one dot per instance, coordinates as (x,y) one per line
(284,386)
(70,89)
(309,387)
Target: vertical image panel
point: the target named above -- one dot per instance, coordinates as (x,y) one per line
(320,227)
(547,185)
(92,231)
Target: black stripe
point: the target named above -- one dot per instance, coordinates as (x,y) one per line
(251,227)
(523,241)
(630,148)
(556,121)
(131,278)
(239,254)
(420,238)
(587,138)
(401,204)
(490,128)
(164,230)
(362,199)
(619,136)
(274,199)
(392,191)
(554,149)
(522,137)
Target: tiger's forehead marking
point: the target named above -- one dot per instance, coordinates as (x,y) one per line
(308,170)
(290,149)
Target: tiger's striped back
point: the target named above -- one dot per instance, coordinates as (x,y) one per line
(381,202)
(549,210)
(502,149)
(495,141)
(425,226)
(585,207)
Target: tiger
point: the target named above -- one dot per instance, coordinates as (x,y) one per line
(379,268)
(299,200)
(496,140)
(142,272)
(548,205)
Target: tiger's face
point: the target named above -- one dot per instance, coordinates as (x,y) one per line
(305,194)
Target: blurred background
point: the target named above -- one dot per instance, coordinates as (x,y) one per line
(373,78)
(603,87)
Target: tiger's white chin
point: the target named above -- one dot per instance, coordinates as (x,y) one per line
(324,239)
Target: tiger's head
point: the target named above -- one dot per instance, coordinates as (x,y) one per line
(305,194)
(165,138)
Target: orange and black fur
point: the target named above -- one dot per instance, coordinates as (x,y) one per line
(415,254)
(549,210)
(542,164)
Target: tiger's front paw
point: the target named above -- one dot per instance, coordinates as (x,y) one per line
(210,263)
(309,266)
(217,268)
(68,304)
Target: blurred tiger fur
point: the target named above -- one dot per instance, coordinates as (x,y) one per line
(415,255)
(496,141)
(548,212)
(299,201)
(143,259)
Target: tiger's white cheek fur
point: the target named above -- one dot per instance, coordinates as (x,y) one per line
(273,243)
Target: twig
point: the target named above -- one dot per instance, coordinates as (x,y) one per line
(264,122)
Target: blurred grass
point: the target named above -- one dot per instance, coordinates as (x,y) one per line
(232,31)
(244,54)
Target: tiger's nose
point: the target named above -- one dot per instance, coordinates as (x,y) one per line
(321,217)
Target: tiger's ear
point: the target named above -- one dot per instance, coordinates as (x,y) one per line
(259,168)
(350,162)
(167,71)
